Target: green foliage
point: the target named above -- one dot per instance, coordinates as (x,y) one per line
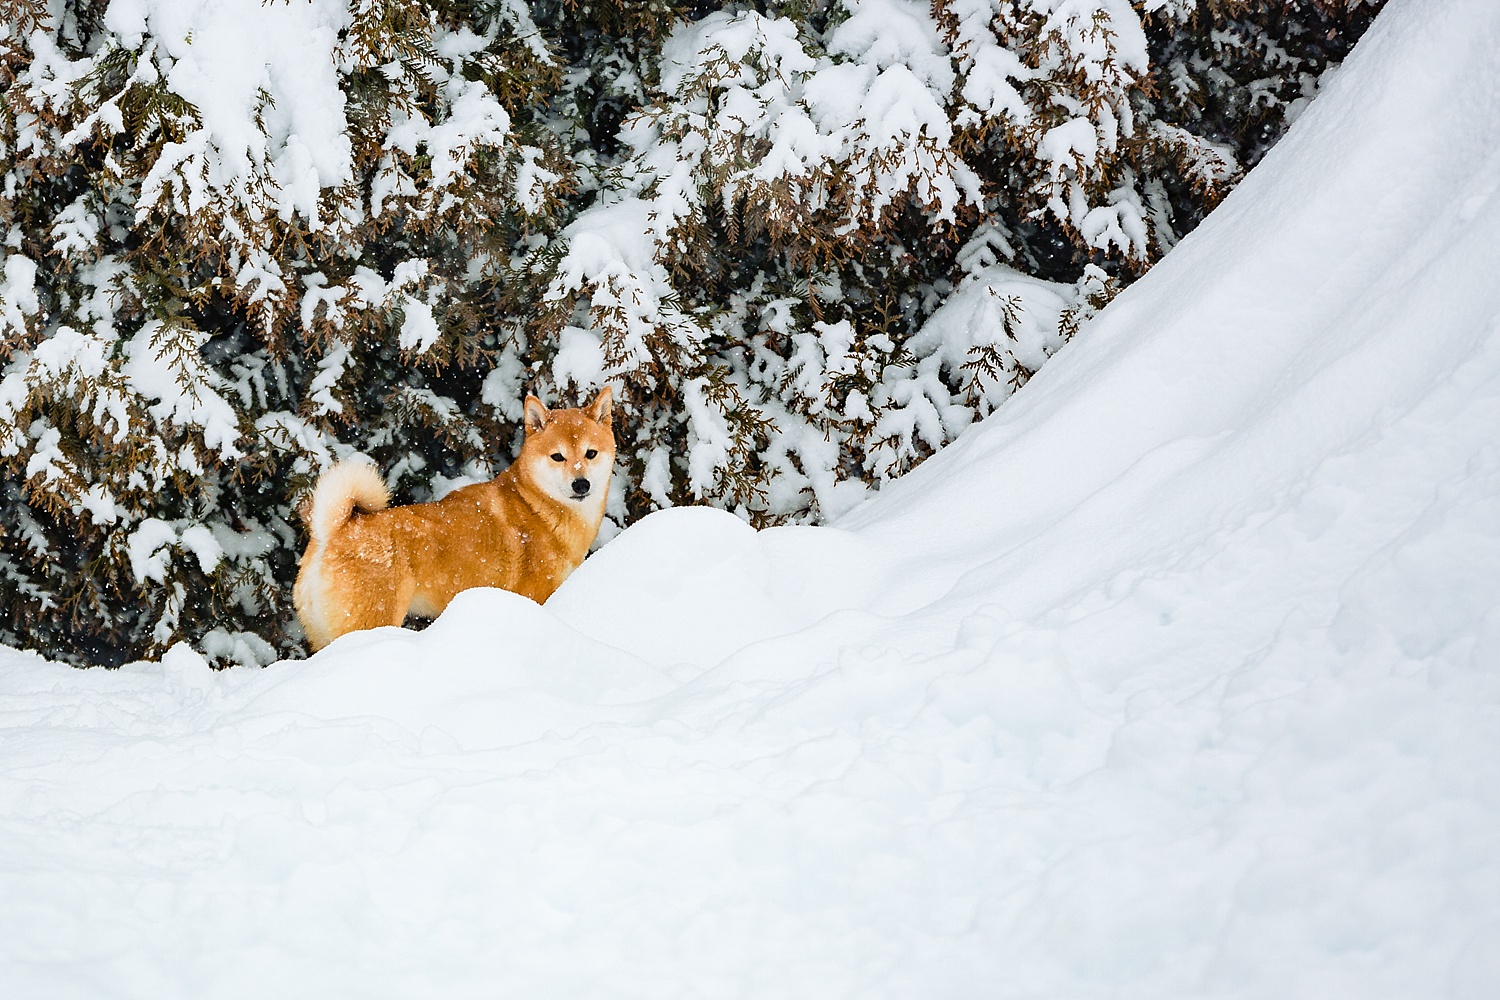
(808,243)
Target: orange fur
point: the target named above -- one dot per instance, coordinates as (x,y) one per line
(525,530)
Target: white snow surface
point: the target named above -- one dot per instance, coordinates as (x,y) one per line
(1177,677)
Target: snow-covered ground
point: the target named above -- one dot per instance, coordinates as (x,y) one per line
(1179,677)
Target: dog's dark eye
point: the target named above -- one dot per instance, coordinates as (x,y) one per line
(591,453)
(557,456)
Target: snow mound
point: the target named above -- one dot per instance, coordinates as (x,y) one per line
(1174,678)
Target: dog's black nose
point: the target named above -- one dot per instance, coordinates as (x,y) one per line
(581,486)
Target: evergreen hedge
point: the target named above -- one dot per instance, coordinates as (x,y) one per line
(808,243)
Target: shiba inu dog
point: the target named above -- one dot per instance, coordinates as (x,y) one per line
(369,564)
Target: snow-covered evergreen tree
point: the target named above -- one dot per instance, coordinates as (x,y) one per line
(808,243)
(242,240)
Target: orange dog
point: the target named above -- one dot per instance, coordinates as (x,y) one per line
(370,564)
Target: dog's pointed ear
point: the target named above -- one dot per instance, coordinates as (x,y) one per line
(602,408)
(536,415)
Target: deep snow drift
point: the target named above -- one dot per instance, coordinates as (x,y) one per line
(1179,677)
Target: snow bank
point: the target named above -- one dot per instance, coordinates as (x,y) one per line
(1174,678)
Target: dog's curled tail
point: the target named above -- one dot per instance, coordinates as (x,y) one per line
(342,489)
